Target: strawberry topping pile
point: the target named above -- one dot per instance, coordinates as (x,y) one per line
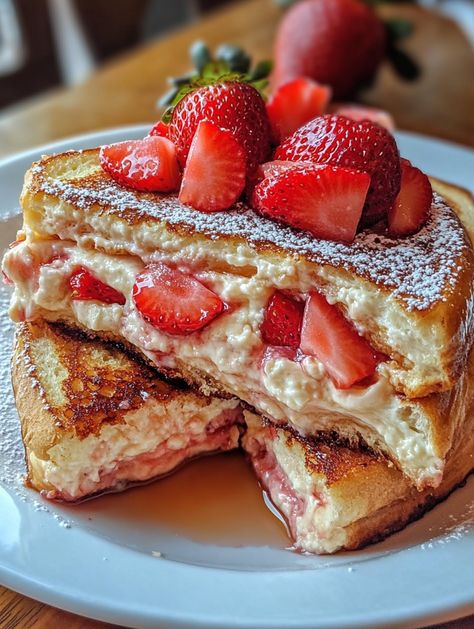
(327,174)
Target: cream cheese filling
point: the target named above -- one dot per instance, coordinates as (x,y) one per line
(229,349)
(76,467)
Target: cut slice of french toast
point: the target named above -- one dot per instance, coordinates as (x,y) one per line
(334,497)
(95,419)
(409,300)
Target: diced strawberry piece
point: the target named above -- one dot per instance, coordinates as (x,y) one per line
(147,165)
(324,200)
(362,112)
(214,175)
(160,129)
(294,104)
(174,302)
(282,321)
(413,203)
(328,336)
(86,287)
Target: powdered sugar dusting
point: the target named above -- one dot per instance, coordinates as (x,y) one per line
(458,526)
(12,467)
(12,458)
(420,270)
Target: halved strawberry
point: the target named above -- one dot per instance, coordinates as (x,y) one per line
(329,336)
(148,165)
(214,175)
(87,287)
(324,200)
(174,302)
(362,112)
(294,104)
(282,321)
(160,129)
(413,203)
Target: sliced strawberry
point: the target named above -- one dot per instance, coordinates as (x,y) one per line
(294,104)
(268,169)
(87,287)
(148,165)
(160,129)
(282,321)
(174,302)
(327,335)
(214,176)
(324,200)
(362,112)
(361,145)
(413,203)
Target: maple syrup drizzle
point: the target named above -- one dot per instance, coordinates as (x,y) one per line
(214,500)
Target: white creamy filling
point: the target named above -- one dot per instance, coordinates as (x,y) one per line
(229,349)
(74,465)
(302,387)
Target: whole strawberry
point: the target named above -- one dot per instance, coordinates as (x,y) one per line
(230,104)
(358,144)
(335,42)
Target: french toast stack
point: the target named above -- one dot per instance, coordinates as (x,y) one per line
(319,307)
(361,461)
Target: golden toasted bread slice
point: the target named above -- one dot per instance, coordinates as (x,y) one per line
(94,419)
(411,298)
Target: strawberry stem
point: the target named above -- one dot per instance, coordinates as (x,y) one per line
(231,63)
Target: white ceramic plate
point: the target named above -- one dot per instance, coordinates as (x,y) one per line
(107,570)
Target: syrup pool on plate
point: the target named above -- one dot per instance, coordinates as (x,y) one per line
(211,500)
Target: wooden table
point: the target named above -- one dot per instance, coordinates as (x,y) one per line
(441,103)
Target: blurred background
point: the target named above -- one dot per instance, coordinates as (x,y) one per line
(68,66)
(44,43)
